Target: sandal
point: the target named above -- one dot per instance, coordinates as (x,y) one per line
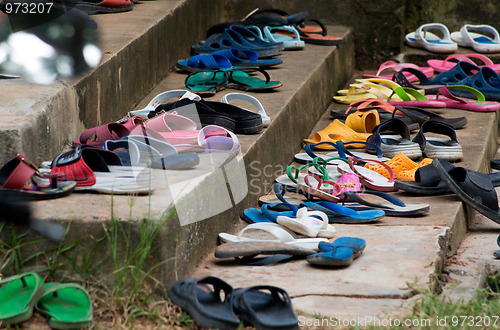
(392,144)
(479,104)
(207,300)
(435,147)
(204,62)
(238,79)
(340,253)
(370,179)
(206,83)
(396,208)
(307,224)
(396,67)
(238,37)
(423,38)
(18,172)
(337,131)
(481,38)
(247,58)
(266,120)
(448,63)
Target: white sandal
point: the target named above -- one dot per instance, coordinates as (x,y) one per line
(422,38)
(304,223)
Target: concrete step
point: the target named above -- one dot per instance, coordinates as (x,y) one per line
(200,197)
(402,254)
(139,47)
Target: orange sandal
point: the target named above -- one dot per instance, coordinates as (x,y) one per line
(409,175)
(399,163)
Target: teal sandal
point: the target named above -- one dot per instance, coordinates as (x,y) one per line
(238,79)
(206,83)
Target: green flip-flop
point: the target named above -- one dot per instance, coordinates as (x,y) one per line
(206,83)
(18,296)
(242,80)
(67,306)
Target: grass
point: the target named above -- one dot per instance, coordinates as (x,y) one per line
(125,294)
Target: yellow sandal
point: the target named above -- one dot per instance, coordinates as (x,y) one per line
(337,131)
(363,122)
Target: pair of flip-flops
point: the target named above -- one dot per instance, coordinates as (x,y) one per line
(67,305)
(213,303)
(207,83)
(226,59)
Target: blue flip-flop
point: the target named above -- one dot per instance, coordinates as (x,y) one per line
(204,62)
(253,215)
(341,252)
(340,214)
(247,58)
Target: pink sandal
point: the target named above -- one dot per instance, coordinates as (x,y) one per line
(455,102)
(394,66)
(449,62)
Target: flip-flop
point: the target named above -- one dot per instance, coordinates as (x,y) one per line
(250,249)
(473,188)
(396,208)
(21,176)
(247,58)
(452,101)
(278,196)
(307,224)
(204,62)
(423,38)
(286,34)
(207,300)
(206,83)
(341,214)
(67,306)
(265,307)
(278,234)
(367,177)
(253,215)
(481,38)
(238,79)
(18,296)
(452,60)
(438,147)
(396,67)
(266,120)
(340,253)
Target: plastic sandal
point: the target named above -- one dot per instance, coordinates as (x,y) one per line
(481,38)
(247,58)
(67,306)
(21,176)
(105,6)
(420,116)
(412,97)
(430,86)
(448,63)
(423,38)
(473,188)
(98,135)
(136,150)
(370,179)
(396,67)
(265,307)
(102,171)
(396,208)
(340,214)
(385,110)
(253,215)
(436,147)
(340,253)
(290,40)
(238,37)
(409,175)
(242,80)
(363,122)
(18,296)
(204,62)
(323,189)
(337,131)
(266,120)
(486,81)
(206,83)
(279,234)
(398,163)
(392,144)
(159,99)
(207,300)
(306,224)
(452,101)
(174,128)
